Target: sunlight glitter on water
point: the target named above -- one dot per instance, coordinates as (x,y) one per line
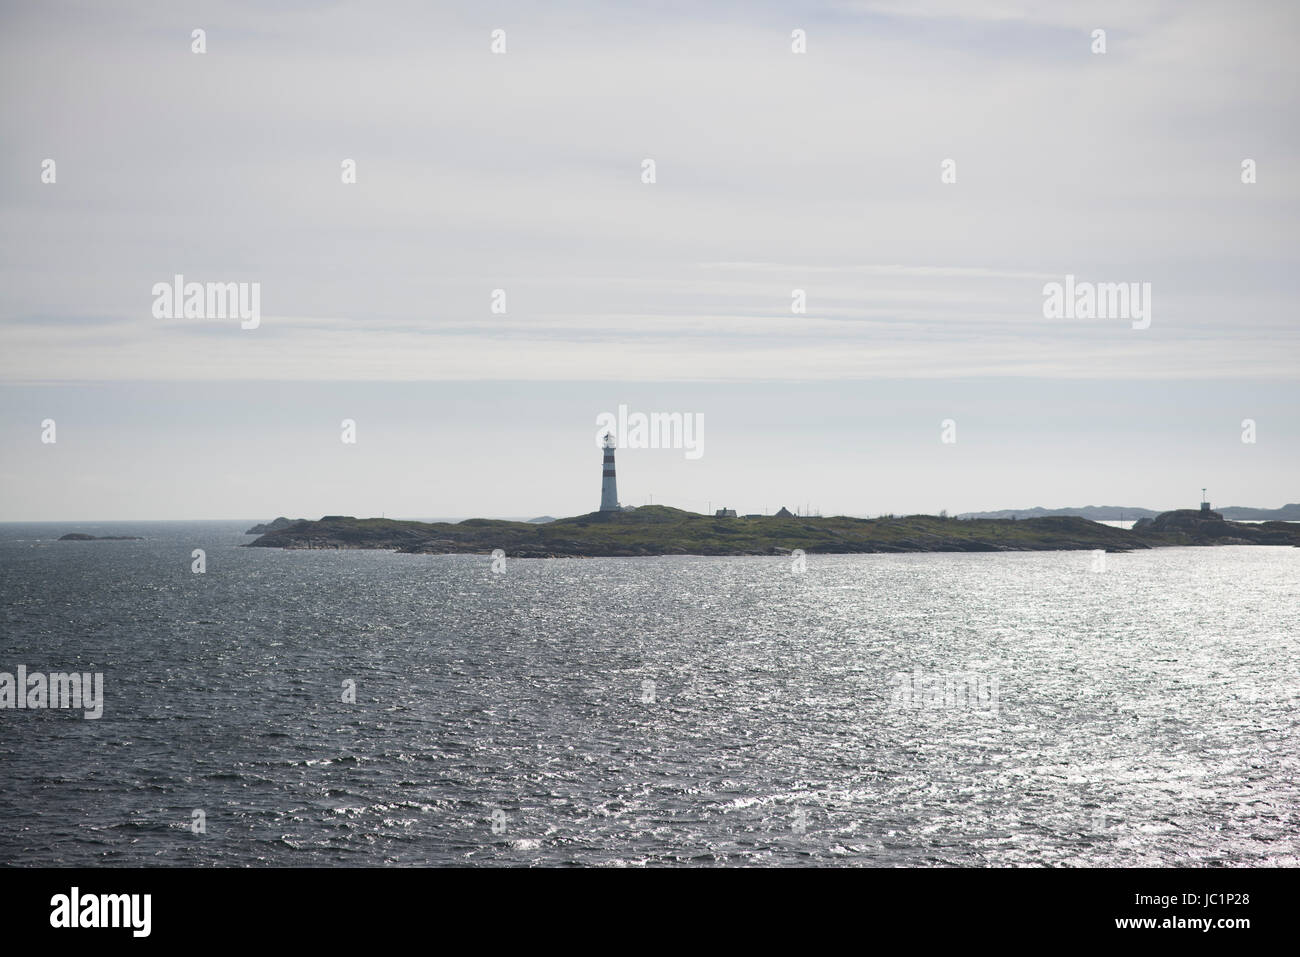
(642,711)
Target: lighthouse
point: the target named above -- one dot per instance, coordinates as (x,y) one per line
(608,484)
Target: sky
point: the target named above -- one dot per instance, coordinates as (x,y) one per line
(523,171)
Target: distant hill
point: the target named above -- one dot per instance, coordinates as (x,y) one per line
(541,520)
(1242,513)
(1095,513)
(1116,513)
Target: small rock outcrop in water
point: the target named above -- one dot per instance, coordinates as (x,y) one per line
(1189,526)
(1190,519)
(273,526)
(83,537)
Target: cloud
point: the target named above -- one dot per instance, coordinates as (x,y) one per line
(521,172)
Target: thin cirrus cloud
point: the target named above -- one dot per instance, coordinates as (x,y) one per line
(775,172)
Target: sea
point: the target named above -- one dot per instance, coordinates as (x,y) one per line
(337,708)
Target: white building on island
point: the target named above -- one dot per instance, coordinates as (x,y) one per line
(608,481)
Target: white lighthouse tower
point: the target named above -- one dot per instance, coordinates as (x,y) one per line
(608,483)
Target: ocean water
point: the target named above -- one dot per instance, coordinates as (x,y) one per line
(613,712)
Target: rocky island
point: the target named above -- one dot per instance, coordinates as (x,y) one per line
(661,530)
(274,525)
(83,537)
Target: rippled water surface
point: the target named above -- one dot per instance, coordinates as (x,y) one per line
(1145,713)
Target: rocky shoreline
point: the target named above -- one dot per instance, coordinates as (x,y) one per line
(660,530)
